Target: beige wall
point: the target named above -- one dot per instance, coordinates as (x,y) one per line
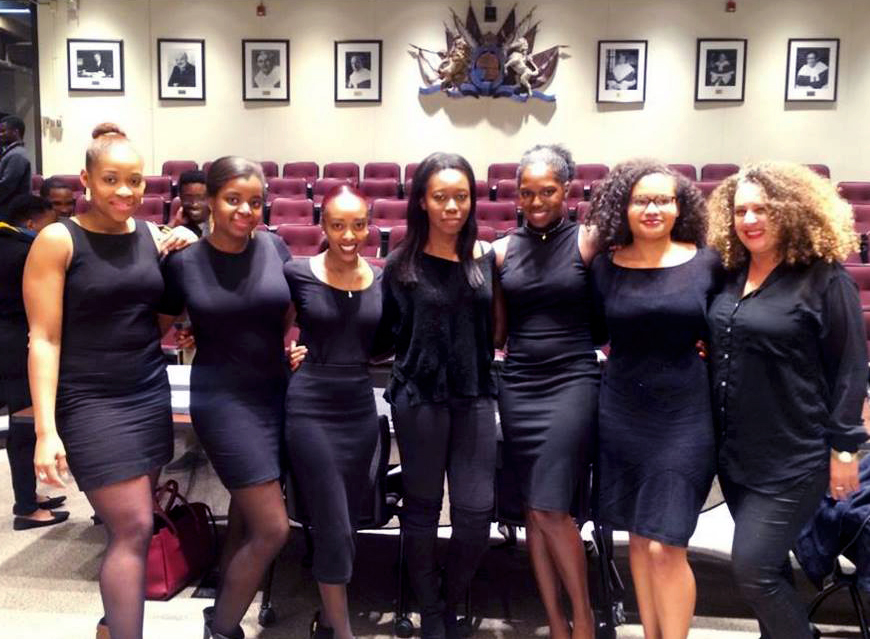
(406,126)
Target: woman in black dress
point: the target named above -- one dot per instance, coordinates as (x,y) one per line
(231,284)
(92,287)
(656,452)
(548,392)
(789,360)
(332,422)
(438,313)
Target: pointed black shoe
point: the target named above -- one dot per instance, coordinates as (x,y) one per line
(52,503)
(24,523)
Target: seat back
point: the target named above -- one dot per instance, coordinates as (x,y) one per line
(291,188)
(410,170)
(861,274)
(706,187)
(499,215)
(325,184)
(205,167)
(501,171)
(821,169)
(381,170)
(589,172)
(291,211)
(310,171)
(270,168)
(717,172)
(486,234)
(854,192)
(174,168)
(151,209)
(861,212)
(397,234)
(389,213)
(506,191)
(583,209)
(345,170)
(384,188)
(159,186)
(686,170)
(301,239)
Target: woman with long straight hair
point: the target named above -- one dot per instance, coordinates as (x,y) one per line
(92,289)
(231,283)
(437,289)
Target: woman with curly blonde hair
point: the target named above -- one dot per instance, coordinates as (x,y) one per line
(656,441)
(789,363)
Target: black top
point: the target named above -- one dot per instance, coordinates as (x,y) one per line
(111,297)
(224,292)
(14,247)
(14,175)
(547,297)
(789,372)
(442,330)
(338,327)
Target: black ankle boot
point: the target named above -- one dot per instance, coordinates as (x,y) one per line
(318,630)
(423,574)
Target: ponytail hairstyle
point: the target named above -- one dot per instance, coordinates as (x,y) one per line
(104,136)
(555,156)
(408,262)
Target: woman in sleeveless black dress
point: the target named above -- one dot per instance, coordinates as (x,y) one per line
(97,376)
(438,312)
(548,395)
(656,444)
(332,422)
(233,288)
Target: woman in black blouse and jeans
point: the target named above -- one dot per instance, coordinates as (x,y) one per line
(437,290)
(789,371)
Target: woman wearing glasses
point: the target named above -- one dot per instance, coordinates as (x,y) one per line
(656,451)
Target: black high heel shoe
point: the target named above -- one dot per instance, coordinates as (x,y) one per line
(318,630)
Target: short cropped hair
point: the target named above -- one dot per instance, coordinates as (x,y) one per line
(190,177)
(14,122)
(26,207)
(53,182)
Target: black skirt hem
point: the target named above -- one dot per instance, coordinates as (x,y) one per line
(131,472)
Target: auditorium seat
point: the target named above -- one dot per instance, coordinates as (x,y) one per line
(291,211)
(854,192)
(486,234)
(174,168)
(707,186)
(289,188)
(380,170)
(308,170)
(590,172)
(159,186)
(372,246)
(82,203)
(410,170)
(36,181)
(345,170)
(301,239)
(205,166)
(862,212)
(576,194)
(861,274)
(717,172)
(481,189)
(379,188)
(506,191)
(582,212)
(152,209)
(397,234)
(821,169)
(594,185)
(270,168)
(687,170)
(73,181)
(501,171)
(389,213)
(499,215)
(324,185)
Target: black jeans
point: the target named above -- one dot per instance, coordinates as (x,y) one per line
(766,527)
(20,445)
(457,437)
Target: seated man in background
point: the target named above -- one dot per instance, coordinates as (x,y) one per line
(60,195)
(194,212)
(27,215)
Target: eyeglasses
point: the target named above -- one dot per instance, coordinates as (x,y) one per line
(643,201)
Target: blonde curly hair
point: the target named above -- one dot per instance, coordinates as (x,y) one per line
(812,220)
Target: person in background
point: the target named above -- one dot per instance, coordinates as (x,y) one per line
(652,282)
(61,196)
(789,362)
(14,164)
(28,215)
(548,392)
(438,295)
(183,73)
(194,212)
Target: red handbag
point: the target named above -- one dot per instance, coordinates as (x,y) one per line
(183,546)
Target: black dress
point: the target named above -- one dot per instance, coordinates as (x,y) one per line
(113,404)
(237,303)
(548,397)
(656,450)
(332,422)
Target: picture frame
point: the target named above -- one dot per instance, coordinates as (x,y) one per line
(621,71)
(358,70)
(720,70)
(266,70)
(812,69)
(95,65)
(181,69)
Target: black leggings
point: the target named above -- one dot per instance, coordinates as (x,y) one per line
(20,444)
(457,437)
(766,527)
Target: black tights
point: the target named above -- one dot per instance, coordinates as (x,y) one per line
(128,515)
(264,529)
(20,444)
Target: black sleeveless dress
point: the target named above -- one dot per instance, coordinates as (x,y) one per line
(332,422)
(237,304)
(113,404)
(656,442)
(548,397)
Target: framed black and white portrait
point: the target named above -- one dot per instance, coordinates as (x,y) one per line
(621,71)
(811,74)
(265,70)
(181,69)
(358,71)
(95,65)
(720,70)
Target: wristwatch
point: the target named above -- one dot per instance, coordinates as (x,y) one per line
(843,456)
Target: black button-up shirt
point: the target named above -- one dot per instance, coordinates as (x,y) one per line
(789,373)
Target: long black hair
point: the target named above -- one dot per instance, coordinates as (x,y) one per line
(408,262)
